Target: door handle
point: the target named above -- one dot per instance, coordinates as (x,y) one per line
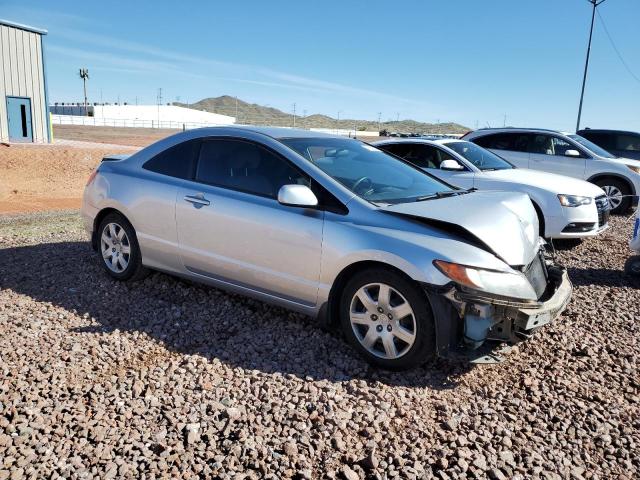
(197,201)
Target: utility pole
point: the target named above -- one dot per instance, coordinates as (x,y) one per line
(236,108)
(504,122)
(338,122)
(379,124)
(595,4)
(294,115)
(304,118)
(84,75)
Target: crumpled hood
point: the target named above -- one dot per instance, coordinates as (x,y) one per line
(551,182)
(503,221)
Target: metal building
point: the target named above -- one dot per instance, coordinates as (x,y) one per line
(24,115)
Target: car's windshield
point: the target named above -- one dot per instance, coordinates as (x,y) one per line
(481,158)
(601,152)
(368,172)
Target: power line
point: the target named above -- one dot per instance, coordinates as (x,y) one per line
(595,4)
(613,44)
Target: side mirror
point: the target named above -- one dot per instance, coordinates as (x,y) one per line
(571,153)
(450,165)
(297,196)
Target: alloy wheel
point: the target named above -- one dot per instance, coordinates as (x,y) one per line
(614,195)
(382,321)
(115,247)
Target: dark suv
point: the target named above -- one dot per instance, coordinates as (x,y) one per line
(620,143)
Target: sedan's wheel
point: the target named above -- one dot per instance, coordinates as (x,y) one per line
(118,248)
(382,321)
(617,192)
(115,247)
(388,319)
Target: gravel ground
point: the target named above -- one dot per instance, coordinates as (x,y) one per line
(164,378)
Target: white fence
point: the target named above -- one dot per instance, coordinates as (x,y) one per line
(121,122)
(346,132)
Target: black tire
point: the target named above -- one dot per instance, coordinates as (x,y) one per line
(423,347)
(632,266)
(625,204)
(134,269)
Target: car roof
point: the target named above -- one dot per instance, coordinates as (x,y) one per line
(607,130)
(437,141)
(273,132)
(517,129)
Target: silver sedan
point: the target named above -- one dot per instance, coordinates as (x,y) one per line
(409,266)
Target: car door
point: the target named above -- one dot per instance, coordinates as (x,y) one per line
(512,146)
(548,153)
(232,229)
(429,158)
(462,178)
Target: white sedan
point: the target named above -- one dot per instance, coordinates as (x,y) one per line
(567,207)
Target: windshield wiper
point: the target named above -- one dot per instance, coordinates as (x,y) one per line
(448,193)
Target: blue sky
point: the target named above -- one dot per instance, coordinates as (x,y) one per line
(458,60)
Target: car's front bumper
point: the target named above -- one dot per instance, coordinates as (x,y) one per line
(579,222)
(487,317)
(528,319)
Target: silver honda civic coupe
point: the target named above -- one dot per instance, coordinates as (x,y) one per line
(408,266)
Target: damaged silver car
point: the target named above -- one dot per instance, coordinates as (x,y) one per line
(408,266)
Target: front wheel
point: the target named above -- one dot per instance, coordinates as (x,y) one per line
(618,194)
(387,319)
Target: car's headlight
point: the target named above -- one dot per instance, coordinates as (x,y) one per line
(507,284)
(635,169)
(574,200)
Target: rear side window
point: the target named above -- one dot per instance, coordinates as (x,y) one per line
(244,166)
(515,142)
(177,161)
(628,143)
(604,140)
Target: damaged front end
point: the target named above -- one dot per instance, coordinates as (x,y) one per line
(481,318)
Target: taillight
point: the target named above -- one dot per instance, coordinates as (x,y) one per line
(92,177)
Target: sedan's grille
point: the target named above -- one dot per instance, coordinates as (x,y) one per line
(536,273)
(602,204)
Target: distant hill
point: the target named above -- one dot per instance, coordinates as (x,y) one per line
(254,114)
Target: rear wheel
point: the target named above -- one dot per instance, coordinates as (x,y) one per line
(118,248)
(388,320)
(616,191)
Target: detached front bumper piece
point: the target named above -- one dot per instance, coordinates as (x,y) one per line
(531,318)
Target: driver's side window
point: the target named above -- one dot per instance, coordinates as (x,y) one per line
(561,146)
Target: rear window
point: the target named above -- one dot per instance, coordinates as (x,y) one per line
(177,161)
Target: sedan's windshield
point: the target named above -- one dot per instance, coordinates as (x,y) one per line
(481,158)
(368,172)
(601,152)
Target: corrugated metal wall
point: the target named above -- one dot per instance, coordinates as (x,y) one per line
(21,75)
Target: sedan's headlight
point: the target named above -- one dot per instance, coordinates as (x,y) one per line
(635,169)
(574,200)
(507,284)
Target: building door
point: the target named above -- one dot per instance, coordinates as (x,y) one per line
(19,119)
